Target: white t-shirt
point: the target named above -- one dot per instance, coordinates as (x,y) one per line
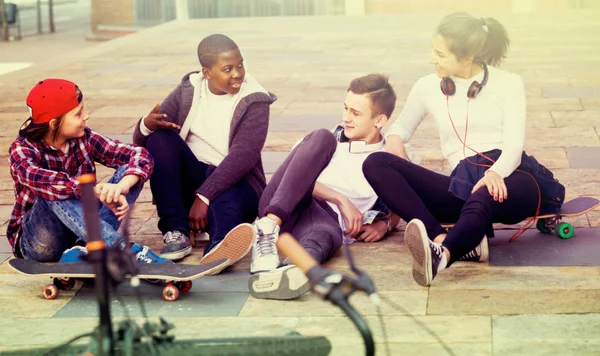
(209,133)
(344,174)
(496,117)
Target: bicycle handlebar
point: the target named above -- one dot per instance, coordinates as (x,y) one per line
(332,286)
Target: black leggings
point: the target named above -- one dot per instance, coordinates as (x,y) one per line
(414,192)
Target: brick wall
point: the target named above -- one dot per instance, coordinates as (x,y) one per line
(112,12)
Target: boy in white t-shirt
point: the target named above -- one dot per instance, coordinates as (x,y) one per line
(320,195)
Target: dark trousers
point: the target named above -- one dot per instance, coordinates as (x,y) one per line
(414,192)
(176,177)
(289,196)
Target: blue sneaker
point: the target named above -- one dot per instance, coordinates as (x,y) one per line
(145,255)
(74,254)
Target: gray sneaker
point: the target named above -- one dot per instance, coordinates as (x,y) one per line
(177,245)
(287,282)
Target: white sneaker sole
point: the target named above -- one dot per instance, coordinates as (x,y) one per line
(289,284)
(236,244)
(485,250)
(177,255)
(417,241)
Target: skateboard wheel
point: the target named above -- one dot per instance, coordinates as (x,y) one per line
(185,286)
(170,293)
(64,284)
(564,230)
(541,225)
(50,291)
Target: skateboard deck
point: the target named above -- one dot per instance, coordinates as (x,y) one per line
(552,222)
(177,276)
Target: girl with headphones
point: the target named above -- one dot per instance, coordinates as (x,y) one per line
(480,113)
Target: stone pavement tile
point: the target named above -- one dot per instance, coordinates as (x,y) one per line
(554,104)
(22,296)
(4,245)
(594,218)
(271,161)
(143,211)
(538,249)
(223,327)
(282,141)
(518,279)
(19,331)
(573,118)
(189,304)
(134,225)
(422,349)
(591,103)
(105,112)
(584,157)
(536,335)
(571,92)
(550,157)
(506,302)
(421,334)
(413,302)
(4,257)
(153,81)
(579,182)
(302,123)
(59,330)
(125,68)
(125,138)
(559,137)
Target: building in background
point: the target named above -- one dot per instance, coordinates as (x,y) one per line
(132,13)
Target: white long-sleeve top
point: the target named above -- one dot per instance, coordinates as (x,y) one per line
(496,117)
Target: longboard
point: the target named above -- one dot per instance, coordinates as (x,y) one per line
(552,222)
(178,276)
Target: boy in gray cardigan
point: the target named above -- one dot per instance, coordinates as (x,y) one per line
(206,139)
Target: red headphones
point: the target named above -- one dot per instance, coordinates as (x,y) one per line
(449,88)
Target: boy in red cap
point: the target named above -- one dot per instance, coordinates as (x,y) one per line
(54,147)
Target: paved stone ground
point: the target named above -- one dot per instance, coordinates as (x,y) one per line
(475,309)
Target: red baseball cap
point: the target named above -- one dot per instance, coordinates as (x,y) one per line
(50,99)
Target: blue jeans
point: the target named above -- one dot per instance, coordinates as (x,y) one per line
(53,226)
(176,177)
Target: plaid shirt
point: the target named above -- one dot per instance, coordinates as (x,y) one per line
(40,170)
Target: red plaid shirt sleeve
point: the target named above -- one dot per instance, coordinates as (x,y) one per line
(48,184)
(115,154)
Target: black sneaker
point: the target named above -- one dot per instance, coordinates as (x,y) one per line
(177,245)
(481,253)
(426,254)
(287,282)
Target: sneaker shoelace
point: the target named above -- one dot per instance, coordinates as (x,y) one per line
(143,255)
(439,251)
(172,236)
(265,243)
(470,256)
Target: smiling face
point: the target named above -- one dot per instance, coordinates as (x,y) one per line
(226,75)
(444,61)
(359,122)
(72,124)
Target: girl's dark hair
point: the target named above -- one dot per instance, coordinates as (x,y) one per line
(484,39)
(40,132)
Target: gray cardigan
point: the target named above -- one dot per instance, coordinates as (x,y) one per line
(247,137)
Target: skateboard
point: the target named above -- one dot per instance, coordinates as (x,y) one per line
(178,277)
(552,222)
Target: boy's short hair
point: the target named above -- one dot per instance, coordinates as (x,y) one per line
(378,88)
(210,48)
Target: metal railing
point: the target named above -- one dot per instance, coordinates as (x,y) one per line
(148,12)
